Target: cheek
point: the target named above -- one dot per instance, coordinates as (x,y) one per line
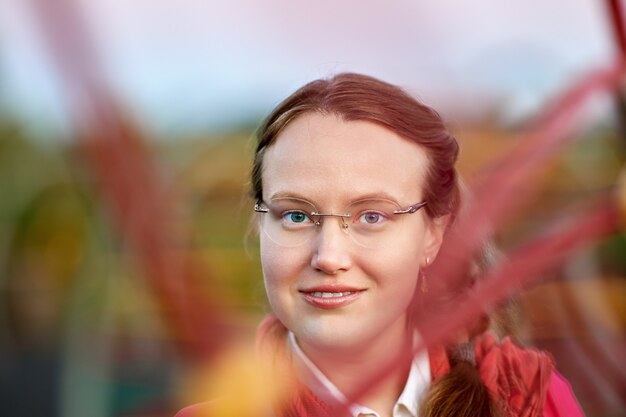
(402,258)
(400,283)
(281,268)
(396,269)
(273,263)
(398,275)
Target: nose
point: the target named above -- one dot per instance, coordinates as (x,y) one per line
(332,247)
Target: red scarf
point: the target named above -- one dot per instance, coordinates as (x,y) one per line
(517,379)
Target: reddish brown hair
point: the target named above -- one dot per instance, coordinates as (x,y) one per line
(359,97)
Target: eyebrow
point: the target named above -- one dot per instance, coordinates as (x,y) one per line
(380,195)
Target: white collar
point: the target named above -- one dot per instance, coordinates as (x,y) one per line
(407,404)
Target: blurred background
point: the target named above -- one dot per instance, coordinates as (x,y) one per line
(125,141)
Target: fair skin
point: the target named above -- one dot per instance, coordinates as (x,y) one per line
(332,163)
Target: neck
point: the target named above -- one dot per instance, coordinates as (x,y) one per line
(350,369)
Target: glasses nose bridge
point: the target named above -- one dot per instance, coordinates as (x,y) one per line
(323,236)
(319,219)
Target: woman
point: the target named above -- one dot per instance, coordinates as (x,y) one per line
(355,187)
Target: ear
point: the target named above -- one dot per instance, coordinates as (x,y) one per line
(435,230)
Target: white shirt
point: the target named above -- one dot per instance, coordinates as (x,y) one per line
(407,404)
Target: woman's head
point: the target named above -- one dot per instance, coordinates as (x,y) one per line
(360,97)
(370,155)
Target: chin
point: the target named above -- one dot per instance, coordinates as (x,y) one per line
(331,335)
(327,342)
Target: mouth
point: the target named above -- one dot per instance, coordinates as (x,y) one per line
(330,294)
(331,297)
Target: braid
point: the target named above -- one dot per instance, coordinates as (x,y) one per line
(460,393)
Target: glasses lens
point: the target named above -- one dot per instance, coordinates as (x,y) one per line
(289,222)
(372,223)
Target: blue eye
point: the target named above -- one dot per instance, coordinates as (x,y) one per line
(295,217)
(371,217)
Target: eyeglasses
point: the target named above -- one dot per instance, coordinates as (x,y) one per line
(370,223)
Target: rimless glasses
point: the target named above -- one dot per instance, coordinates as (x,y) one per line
(370,223)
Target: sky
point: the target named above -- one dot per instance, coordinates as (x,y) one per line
(188,66)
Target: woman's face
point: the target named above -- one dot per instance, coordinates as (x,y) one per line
(333,163)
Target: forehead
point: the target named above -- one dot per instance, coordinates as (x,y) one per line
(325,158)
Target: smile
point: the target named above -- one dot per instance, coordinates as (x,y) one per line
(331,294)
(330,298)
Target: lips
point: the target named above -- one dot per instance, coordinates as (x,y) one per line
(331,296)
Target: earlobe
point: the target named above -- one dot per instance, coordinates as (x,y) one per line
(435,232)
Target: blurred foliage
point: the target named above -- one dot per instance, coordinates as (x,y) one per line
(78,320)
